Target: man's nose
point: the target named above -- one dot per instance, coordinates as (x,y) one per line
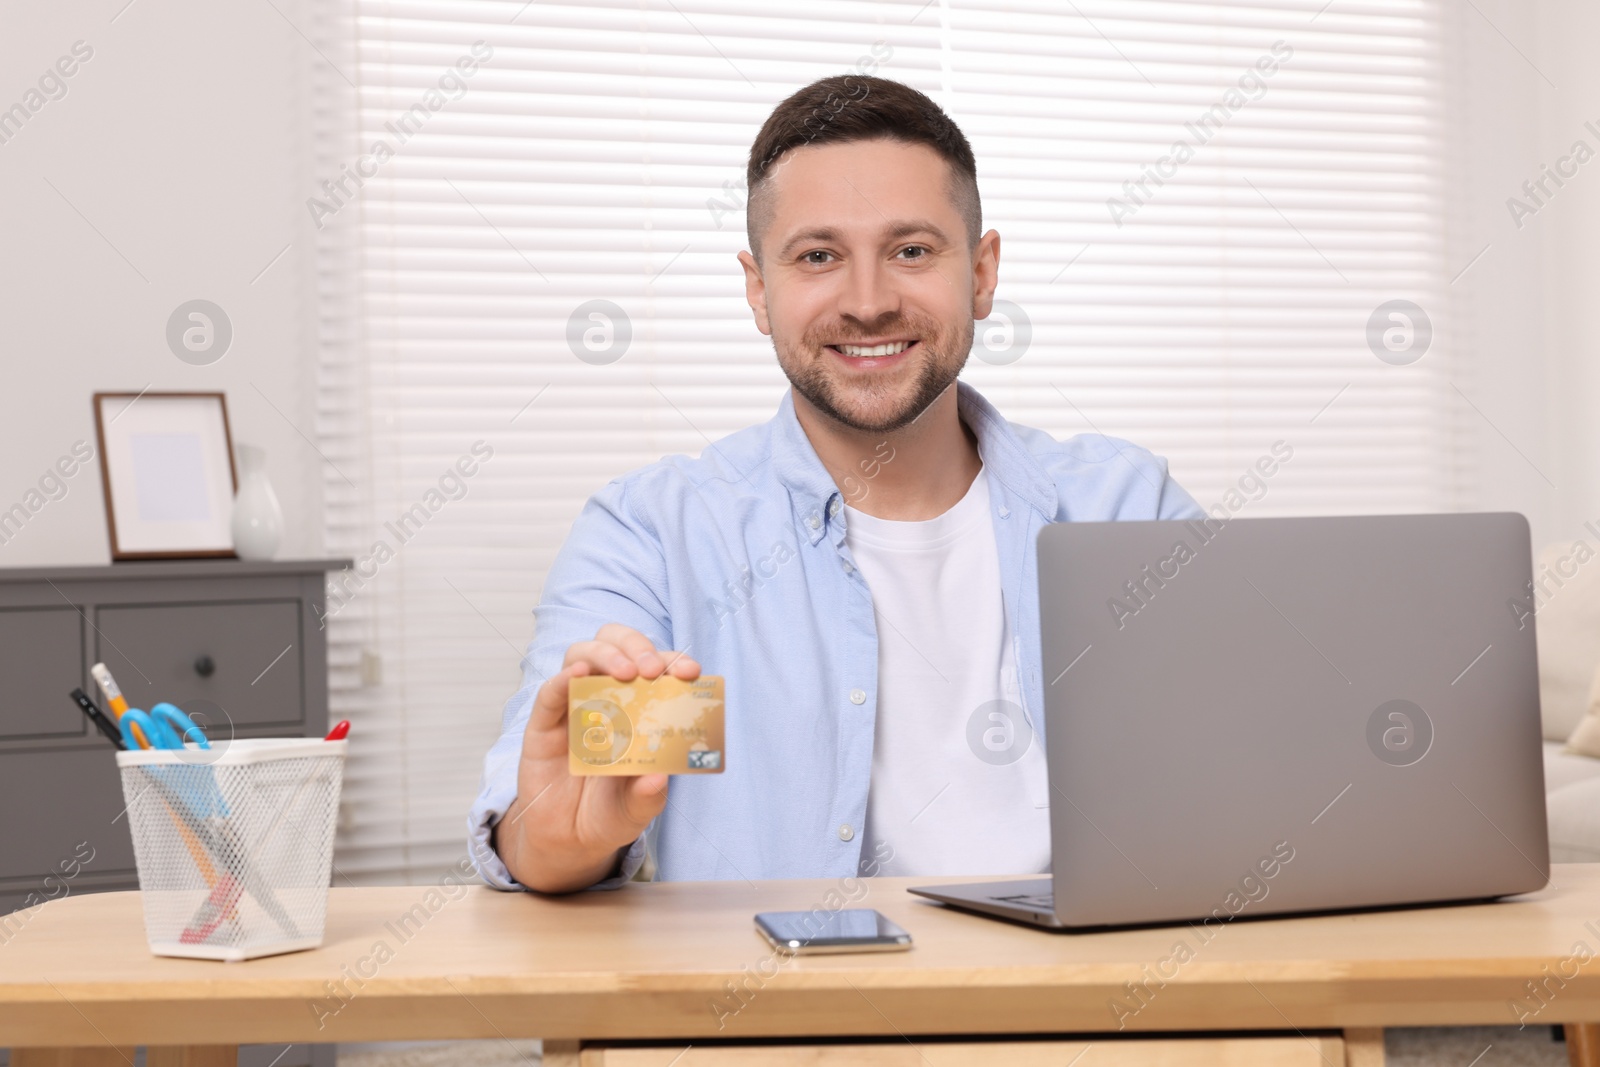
(869,292)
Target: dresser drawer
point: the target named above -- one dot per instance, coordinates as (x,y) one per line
(41,661)
(222,661)
(54,801)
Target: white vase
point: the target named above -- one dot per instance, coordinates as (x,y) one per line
(257,519)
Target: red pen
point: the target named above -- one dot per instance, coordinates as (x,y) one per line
(225,894)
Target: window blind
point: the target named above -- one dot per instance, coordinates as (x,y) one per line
(1205,209)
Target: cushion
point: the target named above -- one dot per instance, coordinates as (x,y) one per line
(1563,768)
(1585,739)
(1574,812)
(1567,594)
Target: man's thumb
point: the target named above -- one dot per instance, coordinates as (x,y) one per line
(646,796)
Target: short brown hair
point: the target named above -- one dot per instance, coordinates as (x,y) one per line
(859,107)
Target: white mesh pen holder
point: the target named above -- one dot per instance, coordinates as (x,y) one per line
(234,845)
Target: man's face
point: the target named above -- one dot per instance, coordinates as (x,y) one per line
(866,283)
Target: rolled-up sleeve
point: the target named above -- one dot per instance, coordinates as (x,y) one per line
(610,569)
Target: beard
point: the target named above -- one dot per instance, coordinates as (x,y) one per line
(877,407)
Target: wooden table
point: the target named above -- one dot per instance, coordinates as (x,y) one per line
(679,964)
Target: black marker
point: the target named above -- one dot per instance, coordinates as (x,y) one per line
(98,717)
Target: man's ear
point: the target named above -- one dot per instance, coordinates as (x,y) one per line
(755,292)
(985,274)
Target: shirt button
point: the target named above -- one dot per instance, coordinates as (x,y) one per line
(1005,512)
(848,568)
(833,508)
(846,832)
(813,520)
(858,696)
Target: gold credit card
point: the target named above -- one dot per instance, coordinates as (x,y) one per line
(665,726)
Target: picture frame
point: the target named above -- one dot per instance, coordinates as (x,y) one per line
(167,473)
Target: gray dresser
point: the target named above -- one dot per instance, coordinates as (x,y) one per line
(235,644)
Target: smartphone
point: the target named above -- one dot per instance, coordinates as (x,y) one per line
(851,930)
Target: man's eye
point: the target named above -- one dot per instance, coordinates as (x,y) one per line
(816,257)
(913,252)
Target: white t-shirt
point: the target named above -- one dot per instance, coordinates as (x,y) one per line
(958,775)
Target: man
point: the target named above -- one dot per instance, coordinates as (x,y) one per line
(861,568)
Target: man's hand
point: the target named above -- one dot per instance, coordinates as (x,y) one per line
(564,832)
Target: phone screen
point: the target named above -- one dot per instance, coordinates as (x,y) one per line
(821,930)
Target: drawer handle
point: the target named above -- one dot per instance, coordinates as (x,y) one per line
(204,666)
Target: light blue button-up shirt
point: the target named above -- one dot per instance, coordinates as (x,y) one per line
(738,559)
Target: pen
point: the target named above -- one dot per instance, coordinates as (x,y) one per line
(225,893)
(119,706)
(114,699)
(223,846)
(98,717)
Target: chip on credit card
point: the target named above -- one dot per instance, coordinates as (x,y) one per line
(647,726)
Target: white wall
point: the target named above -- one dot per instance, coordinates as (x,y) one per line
(1527,303)
(184,142)
(1570,269)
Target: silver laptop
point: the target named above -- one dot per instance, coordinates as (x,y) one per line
(1283,715)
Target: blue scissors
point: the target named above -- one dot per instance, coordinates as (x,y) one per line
(164,725)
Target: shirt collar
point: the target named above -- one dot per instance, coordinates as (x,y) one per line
(817,501)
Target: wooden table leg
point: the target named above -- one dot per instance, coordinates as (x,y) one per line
(192,1056)
(560,1053)
(1583,1044)
(1363,1048)
(99,1056)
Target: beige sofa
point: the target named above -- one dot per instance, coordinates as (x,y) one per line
(1567,593)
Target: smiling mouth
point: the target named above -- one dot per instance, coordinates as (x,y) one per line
(889,348)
